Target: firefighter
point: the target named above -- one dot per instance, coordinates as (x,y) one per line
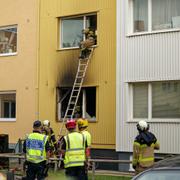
(90,40)
(37,149)
(73,150)
(47,130)
(143,148)
(82,126)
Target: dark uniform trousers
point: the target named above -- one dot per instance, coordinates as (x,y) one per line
(77,173)
(35,170)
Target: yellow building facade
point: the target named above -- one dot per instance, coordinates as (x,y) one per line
(61,23)
(18,67)
(39,58)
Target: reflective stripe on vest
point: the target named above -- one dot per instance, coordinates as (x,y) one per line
(75,150)
(146,155)
(35,146)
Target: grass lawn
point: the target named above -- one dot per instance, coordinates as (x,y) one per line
(60,175)
(98,177)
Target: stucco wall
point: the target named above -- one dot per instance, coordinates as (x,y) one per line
(19,72)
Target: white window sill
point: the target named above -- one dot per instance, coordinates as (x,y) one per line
(7,119)
(152,32)
(70,48)
(8,54)
(155,120)
(89,120)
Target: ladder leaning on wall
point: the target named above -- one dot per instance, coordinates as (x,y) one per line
(80,74)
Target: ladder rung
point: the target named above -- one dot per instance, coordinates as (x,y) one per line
(68,116)
(82,68)
(71,103)
(80,77)
(82,59)
(81,71)
(70,109)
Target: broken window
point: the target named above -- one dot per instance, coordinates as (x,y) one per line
(7,105)
(71,29)
(8,40)
(86,105)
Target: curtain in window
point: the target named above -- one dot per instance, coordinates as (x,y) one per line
(166,100)
(140,15)
(165,14)
(140,100)
(72,32)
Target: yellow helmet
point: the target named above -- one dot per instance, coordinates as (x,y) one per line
(82,123)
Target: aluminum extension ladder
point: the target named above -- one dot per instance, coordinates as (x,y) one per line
(80,74)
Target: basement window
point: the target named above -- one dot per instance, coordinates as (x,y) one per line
(7,106)
(71,29)
(86,105)
(8,40)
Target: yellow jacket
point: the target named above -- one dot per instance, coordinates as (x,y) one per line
(143,150)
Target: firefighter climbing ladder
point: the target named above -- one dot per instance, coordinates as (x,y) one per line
(80,74)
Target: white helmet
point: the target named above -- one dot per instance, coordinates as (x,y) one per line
(46,122)
(142,125)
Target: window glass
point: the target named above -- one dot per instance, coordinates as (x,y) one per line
(166,100)
(72,32)
(140,15)
(140,100)
(7,105)
(8,40)
(86,105)
(165,14)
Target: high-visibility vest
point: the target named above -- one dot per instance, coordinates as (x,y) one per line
(143,155)
(35,147)
(75,150)
(87,136)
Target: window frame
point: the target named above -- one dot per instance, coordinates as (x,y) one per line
(130,117)
(9,119)
(130,29)
(11,53)
(60,47)
(83,107)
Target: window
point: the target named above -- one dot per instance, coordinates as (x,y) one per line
(86,105)
(153,15)
(8,40)
(155,100)
(71,29)
(7,105)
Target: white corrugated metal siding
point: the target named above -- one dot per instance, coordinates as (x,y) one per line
(150,57)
